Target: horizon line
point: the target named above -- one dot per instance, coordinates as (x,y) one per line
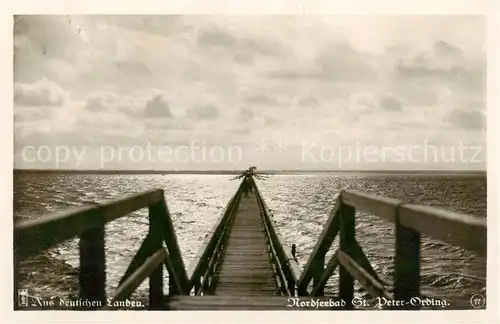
(261,170)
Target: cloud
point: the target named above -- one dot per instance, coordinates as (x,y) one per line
(342,62)
(161,25)
(49,35)
(29,115)
(41,93)
(339,62)
(157,107)
(271,121)
(96,104)
(216,37)
(308,102)
(445,63)
(390,103)
(166,124)
(290,73)
(246,114)
(362,102)
(204,112)
(357,76)
(422,69)
(244,130)
(132,68)
(244,58)
(467,119)
(442,48)
(262,100)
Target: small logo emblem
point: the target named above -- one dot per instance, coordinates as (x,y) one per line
(22,297)
(477,301)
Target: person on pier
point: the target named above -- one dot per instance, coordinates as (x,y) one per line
(247,185)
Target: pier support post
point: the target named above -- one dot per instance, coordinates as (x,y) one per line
(156,277)
(318,266)
(93,266)
(17,266)
(347,239)
(407,265)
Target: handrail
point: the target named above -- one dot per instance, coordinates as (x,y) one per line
(34,236)
(466,231)
(88,223)
(285,261)
(211,246)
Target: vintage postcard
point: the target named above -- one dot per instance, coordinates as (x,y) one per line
(298,162)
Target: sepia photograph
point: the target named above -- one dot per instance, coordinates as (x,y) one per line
(229,162)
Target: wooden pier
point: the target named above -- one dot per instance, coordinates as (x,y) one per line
(244,263)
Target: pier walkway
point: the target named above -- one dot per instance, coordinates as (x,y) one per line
(244,263)
(247,268)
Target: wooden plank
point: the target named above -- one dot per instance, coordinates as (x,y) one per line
(246,267)
(466,231)
(247,292)
(325,240)
(356,252)
(144,252)
(261,255)
(174,283)
(133,281)
(347,239)
(156,276)
(240,271)
(318,267)
(34,236)
(92,273)
(248,252)
(380,206)
(175,260)
(374,287)
(244,280)
(256,260)
(318,288)
(407,265)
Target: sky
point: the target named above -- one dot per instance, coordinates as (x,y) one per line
(222,92)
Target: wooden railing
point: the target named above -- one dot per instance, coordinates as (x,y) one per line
(466,231)
(202,269)
(88,223)
(285,264)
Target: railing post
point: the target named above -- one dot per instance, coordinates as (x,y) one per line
(290,284)
(156,277)
(17,266)
(197,285)
(347,239)
(318,266)
(93,266)
(407,265)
